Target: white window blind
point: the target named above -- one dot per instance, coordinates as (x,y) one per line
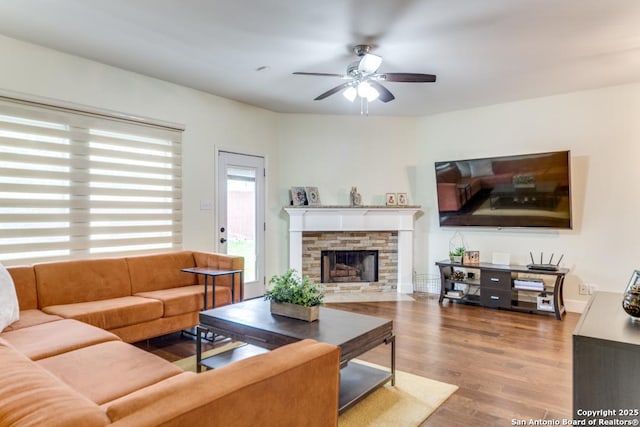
(79,184)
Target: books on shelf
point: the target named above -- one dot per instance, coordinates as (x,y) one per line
(529,284)
(455,294)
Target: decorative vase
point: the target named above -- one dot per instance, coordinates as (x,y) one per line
(295,311)
(457,259)
(631,300)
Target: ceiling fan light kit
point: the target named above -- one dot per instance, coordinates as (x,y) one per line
(364,79)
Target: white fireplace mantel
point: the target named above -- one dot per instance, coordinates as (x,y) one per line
(367,218)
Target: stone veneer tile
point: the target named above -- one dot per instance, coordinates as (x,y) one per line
(385,242)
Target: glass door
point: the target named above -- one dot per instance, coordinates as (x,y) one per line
(241,214)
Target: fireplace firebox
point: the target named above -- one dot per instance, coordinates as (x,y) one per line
(346,266)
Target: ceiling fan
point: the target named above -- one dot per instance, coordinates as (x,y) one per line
(363,80)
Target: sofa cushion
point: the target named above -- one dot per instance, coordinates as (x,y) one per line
(161,271)
(9,308)
(30,318)
(32,396)
(187,298)
(107,371)
(24,280)
(110,313)
(49,339)
(70,282)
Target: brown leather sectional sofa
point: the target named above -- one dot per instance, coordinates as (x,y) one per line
(66,361)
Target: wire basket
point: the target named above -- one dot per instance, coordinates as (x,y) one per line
(426,283)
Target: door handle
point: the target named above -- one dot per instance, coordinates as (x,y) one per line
(223,240)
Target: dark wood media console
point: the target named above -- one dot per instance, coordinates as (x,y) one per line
(492,285)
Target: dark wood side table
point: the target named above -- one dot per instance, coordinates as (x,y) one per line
(213,273)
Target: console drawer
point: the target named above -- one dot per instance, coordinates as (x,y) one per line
(496,279)
(495,298)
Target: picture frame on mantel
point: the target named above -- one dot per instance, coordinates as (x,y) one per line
(391,199)
(298,196)
(402,199)
(313,196)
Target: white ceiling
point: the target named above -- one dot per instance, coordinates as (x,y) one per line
(483,52)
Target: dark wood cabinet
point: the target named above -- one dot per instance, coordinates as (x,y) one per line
(491,285)
(606,362)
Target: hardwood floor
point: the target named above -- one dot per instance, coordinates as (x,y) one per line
(507,365)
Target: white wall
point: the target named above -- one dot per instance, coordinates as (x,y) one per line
(602,130)
(383,154)
(209,120)
(335,153)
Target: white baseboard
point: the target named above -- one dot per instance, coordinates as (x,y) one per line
(575,305)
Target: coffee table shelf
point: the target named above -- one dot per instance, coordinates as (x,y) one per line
(252,322)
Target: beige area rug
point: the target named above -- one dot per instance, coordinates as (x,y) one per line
(365,297)
(406,404)
(189,363)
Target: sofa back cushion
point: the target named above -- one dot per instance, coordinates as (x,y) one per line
(33,397)
(70,282)
(160,271)
(24,279)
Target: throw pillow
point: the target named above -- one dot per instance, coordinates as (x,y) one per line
(481,168)
(464,169)
(9,309)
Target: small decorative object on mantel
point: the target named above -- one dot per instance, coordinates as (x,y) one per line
(391,199)
(313,196)
(294,297)
(298,196)
(471,257)
(631,299)
(402,199)
(355,198)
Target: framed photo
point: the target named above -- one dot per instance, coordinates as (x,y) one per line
(471,257)
(298,196)
(402,199)
(313,196)
(391,199)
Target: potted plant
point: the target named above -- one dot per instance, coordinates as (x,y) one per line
(295,297)
(456,254)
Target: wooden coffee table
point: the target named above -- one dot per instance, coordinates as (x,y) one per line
(252,322)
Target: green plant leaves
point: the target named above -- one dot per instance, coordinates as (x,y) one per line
(292,289)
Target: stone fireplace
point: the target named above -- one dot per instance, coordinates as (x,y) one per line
(314,232)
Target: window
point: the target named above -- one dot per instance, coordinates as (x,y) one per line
(77,184)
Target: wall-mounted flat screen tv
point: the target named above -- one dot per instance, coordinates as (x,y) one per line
(530,190)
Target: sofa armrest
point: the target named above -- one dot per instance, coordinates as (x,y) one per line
(448,197)
(223,262)
(296,382)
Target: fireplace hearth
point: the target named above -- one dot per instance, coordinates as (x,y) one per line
(349,266)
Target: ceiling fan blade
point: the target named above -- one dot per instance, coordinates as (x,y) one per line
(369,63)
(332,91)
(385,95)
(409,77)
(318,74)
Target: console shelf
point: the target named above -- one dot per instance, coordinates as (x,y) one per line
(492,286)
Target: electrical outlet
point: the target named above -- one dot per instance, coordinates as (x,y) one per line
(583,289)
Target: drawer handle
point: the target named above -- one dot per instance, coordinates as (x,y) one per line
(495,279)
(494,297)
